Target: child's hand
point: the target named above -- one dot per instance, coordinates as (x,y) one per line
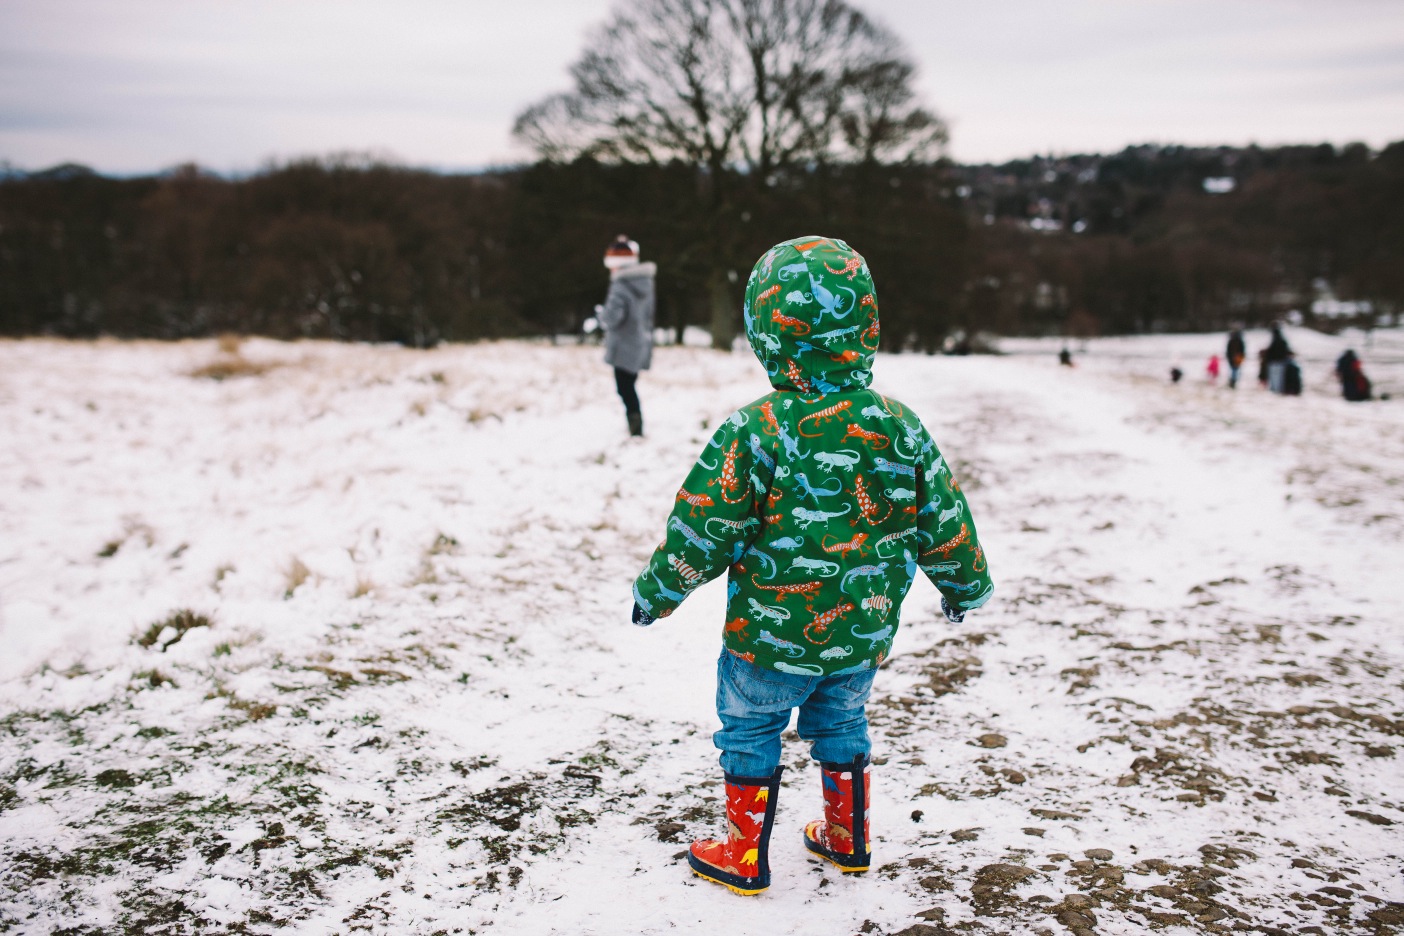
(952,615)
(641,618)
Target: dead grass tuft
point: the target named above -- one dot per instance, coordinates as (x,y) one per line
(256,711)
(231,362)
(477,415)
(253,711)
(172,629)
(233,365)
(153,679)
(364,586)
(426,575)
(294,575)
(340,679)
(132,527)
(443,543)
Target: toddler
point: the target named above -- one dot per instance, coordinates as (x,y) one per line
(822,499)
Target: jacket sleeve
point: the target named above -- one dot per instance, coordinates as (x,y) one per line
(950,552)
(616,308)
(716,516)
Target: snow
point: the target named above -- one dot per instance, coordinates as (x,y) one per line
(415,703)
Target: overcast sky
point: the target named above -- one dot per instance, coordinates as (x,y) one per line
(131,86)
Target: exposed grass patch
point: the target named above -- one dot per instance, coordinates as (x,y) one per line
(117,779)
(154,731)
(169,631)
(381,674)
(506,821)
(141,835)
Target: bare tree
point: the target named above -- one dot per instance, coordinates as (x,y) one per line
(742,89)
(753,85)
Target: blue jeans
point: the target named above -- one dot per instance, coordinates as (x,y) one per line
(754,704)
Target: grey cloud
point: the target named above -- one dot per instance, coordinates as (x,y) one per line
(233,82)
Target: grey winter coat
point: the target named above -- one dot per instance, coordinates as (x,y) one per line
(627,317)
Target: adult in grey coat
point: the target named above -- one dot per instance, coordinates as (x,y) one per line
(627,319)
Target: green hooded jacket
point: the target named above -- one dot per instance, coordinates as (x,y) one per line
(823,498)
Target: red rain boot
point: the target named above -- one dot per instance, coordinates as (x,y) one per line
(741,862)
(842,835)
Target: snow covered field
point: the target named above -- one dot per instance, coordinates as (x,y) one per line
(341,644)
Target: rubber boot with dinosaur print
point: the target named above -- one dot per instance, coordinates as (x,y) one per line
(842,836)
(741,861)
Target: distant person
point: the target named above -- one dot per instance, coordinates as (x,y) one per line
(1176,373)
(1276,356)
(812,604)
(1065,358)
(1211,369)
(627,319)
(1355,386)
(1234,355)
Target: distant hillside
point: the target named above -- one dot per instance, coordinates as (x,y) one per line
(1168,237)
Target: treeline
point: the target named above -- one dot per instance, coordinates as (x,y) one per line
(358,251)
(371,252)
(338,250)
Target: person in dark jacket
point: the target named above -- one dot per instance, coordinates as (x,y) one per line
(1355,386)
(1234,354)
(1276,357)
(627,319)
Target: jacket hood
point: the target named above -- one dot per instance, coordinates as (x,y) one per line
(812,317)
(634,271)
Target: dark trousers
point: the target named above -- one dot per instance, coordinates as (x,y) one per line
(624,382)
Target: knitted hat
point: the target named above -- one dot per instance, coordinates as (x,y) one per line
(623,252)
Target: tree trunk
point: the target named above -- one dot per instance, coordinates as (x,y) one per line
(724,312)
